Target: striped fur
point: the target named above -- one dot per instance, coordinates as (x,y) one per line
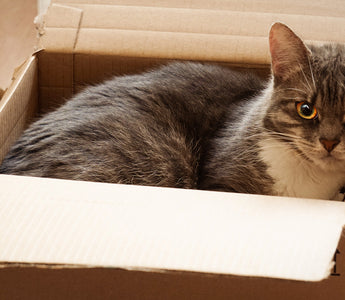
(148,129)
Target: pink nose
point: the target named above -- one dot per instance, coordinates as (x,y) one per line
(329,145)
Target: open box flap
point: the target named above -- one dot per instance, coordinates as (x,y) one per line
(97,224)
(219,34)
(319,7)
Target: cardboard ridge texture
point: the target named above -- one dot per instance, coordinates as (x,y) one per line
(163,228)
(66,225)
(63,239)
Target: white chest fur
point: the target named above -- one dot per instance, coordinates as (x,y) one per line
(296,177)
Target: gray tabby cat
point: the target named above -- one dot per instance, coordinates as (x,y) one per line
(290,140)
(200,126)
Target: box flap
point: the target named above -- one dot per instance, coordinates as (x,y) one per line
(139,31)
(333,8)
(60,28)
(133,227)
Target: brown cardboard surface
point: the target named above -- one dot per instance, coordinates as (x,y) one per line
(220,22)
(61,16)
(56,74)
(221,48)
(52,207)
(18,105)
(34,282)
(104,283)
(161,228)
(318,8)
(171,20)
(56,68)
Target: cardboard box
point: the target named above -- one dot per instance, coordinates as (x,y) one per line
(63,239)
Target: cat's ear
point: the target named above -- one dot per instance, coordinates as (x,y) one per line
(289,54)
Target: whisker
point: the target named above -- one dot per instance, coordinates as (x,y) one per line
(297,90)
(305,77)
(270,135)
(288,150)
(311,72)
(292,137)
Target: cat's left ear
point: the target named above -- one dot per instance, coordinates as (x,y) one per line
(289,54)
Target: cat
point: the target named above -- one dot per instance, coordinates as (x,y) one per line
(290,140)
(201,126)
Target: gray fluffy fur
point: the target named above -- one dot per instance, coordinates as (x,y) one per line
(148,129)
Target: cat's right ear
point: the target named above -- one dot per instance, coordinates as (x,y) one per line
(289,54)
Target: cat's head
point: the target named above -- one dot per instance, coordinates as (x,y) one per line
(307,107)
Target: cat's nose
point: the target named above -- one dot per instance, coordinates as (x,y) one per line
(329,145)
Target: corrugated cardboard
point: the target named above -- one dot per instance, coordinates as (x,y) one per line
(169,229)
(18,105)
(294,7)
(77,240)
(170,232)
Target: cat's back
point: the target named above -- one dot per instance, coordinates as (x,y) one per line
(143,129)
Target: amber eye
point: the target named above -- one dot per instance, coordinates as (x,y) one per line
(306,110)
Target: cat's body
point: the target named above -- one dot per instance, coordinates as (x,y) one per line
(198,126)
(149,129)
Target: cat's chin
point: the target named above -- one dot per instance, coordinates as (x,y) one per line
(330,162)
(325,161)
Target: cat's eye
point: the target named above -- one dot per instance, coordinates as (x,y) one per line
(306,110)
